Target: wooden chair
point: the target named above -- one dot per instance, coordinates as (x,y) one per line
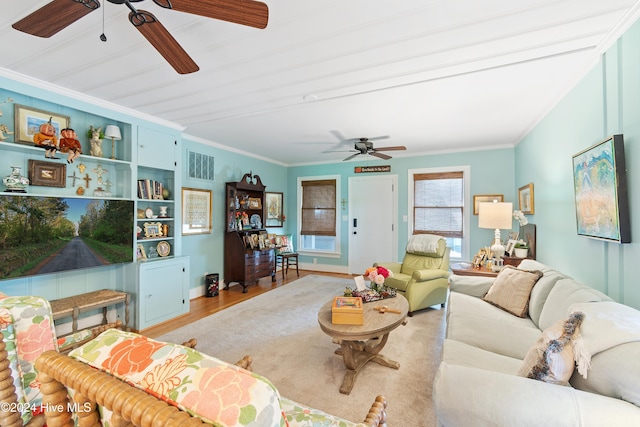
(285,255)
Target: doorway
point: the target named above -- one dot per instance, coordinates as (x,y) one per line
(373,211)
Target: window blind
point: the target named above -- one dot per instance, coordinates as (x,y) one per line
(319,208)
(438,204)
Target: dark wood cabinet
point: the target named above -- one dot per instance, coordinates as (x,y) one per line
(247,257)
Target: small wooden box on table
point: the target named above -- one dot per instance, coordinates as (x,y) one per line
(347,311)
(74,305)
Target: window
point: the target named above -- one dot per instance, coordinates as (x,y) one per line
(318,214)
(437,205)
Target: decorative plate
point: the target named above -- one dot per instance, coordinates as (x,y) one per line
(163,248)
(148,213)
(255,219)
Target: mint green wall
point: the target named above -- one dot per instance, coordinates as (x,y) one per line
(605,102)
(491,173)
(206,251)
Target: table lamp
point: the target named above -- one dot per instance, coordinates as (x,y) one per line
(496,215)
(113,132)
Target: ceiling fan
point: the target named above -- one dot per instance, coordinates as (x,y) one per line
(59,14)
(365,146)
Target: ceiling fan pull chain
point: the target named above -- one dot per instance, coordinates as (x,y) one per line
(103,37)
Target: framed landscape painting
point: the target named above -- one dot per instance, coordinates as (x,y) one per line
(28,121)
(600,187)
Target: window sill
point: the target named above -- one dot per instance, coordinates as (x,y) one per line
(319,254)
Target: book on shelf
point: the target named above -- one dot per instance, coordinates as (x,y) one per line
(150,189)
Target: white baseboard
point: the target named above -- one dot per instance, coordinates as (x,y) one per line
(324,268)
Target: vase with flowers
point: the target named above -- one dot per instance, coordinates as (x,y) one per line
(241,219)
(377,275)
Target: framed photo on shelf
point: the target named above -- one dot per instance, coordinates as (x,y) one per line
(47,174)
(196,211)
(255,203)
(28,121)
(152,229)
(509,247)
(141,254)
(525,199)
(274,209)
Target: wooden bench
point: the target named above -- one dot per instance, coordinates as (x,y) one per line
(75,305)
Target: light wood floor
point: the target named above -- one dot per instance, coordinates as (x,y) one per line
(203,306)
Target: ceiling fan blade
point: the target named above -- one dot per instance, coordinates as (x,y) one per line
(394,148)
(378,138)
(380,155)
(165,44)
(351,157)
(362,139)
(55,16)
(245,12)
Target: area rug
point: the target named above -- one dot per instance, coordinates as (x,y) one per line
(280,330)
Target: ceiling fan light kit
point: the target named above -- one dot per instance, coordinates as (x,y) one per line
(59,14)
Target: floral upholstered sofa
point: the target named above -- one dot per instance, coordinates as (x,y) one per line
(26,331)
(135,379)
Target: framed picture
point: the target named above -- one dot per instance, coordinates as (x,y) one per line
(513,235)
(47,174)
(600,187)
(483,198)
(274,209)
(28,121)
(255,203)
(152,229)
(196,211)
(525,199)
(510,245)
(141,254)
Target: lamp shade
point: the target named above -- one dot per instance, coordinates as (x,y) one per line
(113,132)
(495,215)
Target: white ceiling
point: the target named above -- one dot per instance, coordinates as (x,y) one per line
(435,75)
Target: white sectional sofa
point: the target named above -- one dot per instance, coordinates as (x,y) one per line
(478,384)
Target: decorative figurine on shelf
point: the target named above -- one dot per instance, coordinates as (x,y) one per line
(4,132)
(47,139)
(15,183)
(96,136)
(69,144)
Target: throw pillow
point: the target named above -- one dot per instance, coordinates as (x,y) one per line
(552,358)
(511,290)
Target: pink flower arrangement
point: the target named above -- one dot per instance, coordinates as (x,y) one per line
(377,274)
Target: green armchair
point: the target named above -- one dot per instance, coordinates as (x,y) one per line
(423,275)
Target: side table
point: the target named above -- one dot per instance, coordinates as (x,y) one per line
(467,269)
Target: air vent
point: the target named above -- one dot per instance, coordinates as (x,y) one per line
(201,166)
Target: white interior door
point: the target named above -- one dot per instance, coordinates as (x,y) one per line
(372,221)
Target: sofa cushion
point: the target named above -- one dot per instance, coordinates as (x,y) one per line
(459,353)
(298,415)
(511,290)
(477,323)
(613,373)
(541,291)
(213,390)
(562,295)
(471,285)
(551,359)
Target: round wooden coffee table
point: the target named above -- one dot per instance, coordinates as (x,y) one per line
(360,344)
